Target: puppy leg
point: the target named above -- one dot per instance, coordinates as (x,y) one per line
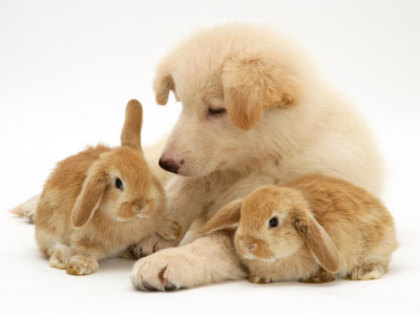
(209,259)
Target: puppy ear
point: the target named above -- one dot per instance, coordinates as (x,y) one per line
(226,218)
(317,240)
(131,132)
(91,195)
(252,85)
(163,83)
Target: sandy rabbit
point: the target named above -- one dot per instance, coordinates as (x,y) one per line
(98,202)
(311,229)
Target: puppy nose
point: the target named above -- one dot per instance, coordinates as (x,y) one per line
(170,164)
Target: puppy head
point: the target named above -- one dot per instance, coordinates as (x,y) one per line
(229,79)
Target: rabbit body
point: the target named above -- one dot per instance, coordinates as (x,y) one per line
(312,229)
(100,201)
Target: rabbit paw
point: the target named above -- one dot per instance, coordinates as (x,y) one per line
(131,253)
(82,265)
(368,271)
(258,279)
(319,277)
(171,230)
(147,246)
(167,270)
(60,257)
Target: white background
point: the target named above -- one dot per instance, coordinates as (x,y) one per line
(67,68)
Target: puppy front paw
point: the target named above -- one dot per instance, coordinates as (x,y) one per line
(80,265)
(167,270)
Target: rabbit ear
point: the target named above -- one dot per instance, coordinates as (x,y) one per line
(91,195)
(225,218)
(317,240)
(131,133)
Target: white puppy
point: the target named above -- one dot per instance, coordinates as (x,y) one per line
(254,112)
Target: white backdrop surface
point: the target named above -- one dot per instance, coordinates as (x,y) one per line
(67,68)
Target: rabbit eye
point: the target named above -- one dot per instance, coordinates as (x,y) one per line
(119,183)
(273,222)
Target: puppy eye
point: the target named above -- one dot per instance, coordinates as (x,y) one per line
(119,184)
(273,222)
(216,111)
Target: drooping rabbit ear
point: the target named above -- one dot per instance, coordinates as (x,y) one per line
(91,195)
(131,132)
(254,84)
(226,218)
(317,240)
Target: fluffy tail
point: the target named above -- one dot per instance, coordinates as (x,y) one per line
(18,211)
(27,209)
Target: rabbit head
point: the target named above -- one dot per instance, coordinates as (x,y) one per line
(274,223)
(120,182)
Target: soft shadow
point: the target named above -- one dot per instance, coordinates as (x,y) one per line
(293,283)
(116,265)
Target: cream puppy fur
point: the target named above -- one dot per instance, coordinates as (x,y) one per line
(254,112)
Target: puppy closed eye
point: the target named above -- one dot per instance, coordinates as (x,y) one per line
(215,111)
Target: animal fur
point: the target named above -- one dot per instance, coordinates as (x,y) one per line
(326,228)
(276,120)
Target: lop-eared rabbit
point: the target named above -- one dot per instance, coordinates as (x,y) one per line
(100,201)
(312,229)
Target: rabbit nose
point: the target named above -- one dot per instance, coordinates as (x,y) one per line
(247,244)
(137,208)
(138,205)
(252,247)
(143,207)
